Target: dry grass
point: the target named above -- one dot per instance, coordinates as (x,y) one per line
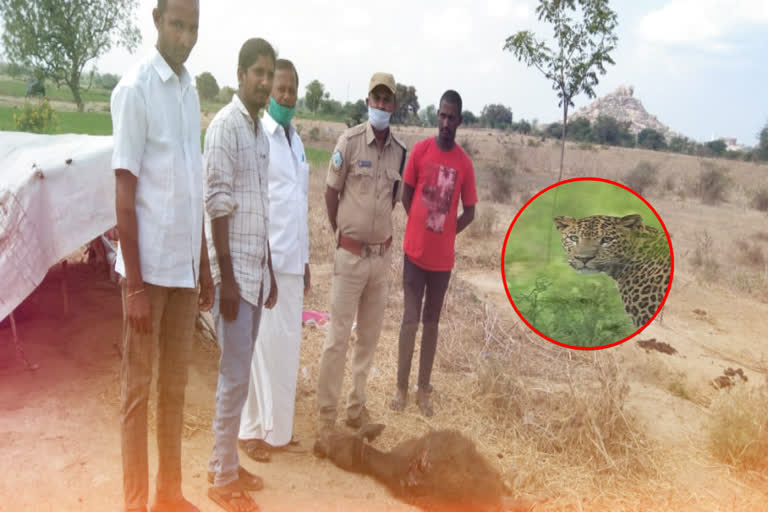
(738,430)
(641,177)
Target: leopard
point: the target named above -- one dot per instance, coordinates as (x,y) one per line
(635,255)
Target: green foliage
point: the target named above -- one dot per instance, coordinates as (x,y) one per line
(37,117)
(315,92)
(407,104)
(92,123)
(581,49)
(57,39)
(496,116)
(607,130)
(717,147)
(580,130)
(468,118)
(317,157)
(554,130)
(428,115)
(641,177)
(355,112)
(682,145)
(649,138)
(106,81)
(225,94)
(572,308)
(762,146)
(206,85)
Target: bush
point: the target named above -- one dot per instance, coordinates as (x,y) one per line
(738,433)
(642,177)
(713,183)
(483,223)
(36,118)
(760,200)
(314,133)
(501,183)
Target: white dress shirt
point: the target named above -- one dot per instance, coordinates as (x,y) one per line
(156,127)
(288,205)
(235,160)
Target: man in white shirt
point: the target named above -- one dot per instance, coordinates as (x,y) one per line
(236,157)
(267,420)
(159,193)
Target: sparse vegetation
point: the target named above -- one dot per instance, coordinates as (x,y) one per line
(713,183)
(641,177)
(738,429)
(760,200)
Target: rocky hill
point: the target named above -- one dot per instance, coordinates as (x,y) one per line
(623,106)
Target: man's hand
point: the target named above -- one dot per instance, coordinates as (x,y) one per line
(272,297)
(205,299)
(307,279)
(229,300)
(138,311)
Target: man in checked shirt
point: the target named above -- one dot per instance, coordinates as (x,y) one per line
(235,163)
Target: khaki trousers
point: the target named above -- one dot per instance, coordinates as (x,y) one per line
(359,285)
(173,312)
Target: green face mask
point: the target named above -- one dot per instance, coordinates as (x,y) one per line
(279,113)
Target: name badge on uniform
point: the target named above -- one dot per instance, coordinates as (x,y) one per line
(364,163)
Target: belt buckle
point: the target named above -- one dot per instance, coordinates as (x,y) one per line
(365,251)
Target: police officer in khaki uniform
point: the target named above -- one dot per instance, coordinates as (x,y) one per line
(362,189)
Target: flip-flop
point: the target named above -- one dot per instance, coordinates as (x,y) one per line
(248,480)
(256,449)
(225,496)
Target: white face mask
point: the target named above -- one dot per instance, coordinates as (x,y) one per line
(379,118)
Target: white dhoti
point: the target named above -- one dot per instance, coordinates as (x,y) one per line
(268,410)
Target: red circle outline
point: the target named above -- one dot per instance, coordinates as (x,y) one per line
(671,255)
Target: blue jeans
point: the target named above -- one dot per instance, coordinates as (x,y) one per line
(236,340)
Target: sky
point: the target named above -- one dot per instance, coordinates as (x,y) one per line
(700,66)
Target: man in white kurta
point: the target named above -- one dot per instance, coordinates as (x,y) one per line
(267,419)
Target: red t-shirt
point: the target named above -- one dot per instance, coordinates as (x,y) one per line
(438,178)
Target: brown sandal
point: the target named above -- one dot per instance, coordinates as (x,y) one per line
(256,449)
(248,480)
(229,496)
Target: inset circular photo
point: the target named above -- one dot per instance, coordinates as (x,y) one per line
(587,263)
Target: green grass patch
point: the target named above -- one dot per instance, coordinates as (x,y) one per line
(92,123)
(572,308)
(337,118)
(11,87)
(317,157)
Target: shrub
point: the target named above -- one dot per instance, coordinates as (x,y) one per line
(36,118)
(314,133)
(738,429)
(483,223)
(713,183)
(641,177)
(760,200)
(501,183)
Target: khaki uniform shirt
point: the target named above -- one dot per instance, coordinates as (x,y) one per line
(365,180)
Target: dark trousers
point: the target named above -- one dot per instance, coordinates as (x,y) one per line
(420,287)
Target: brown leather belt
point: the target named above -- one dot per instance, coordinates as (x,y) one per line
(364,250)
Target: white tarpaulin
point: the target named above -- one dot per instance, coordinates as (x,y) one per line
(57,192)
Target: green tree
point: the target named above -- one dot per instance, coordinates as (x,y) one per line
(315,92)
(582,49)
(355,112)
(207,87)
(407,103)
(762,146)
(580,130)
(680,144)
(225,94)
(428,115)
(649,138)
(468,118)
(496,116)
(59,38)
(607,130)
(717,147)
(524,127)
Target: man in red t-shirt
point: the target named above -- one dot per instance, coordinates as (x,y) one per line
(437,174)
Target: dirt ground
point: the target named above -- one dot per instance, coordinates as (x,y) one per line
(59,424)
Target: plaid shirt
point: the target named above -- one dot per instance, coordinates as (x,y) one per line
(236,170)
